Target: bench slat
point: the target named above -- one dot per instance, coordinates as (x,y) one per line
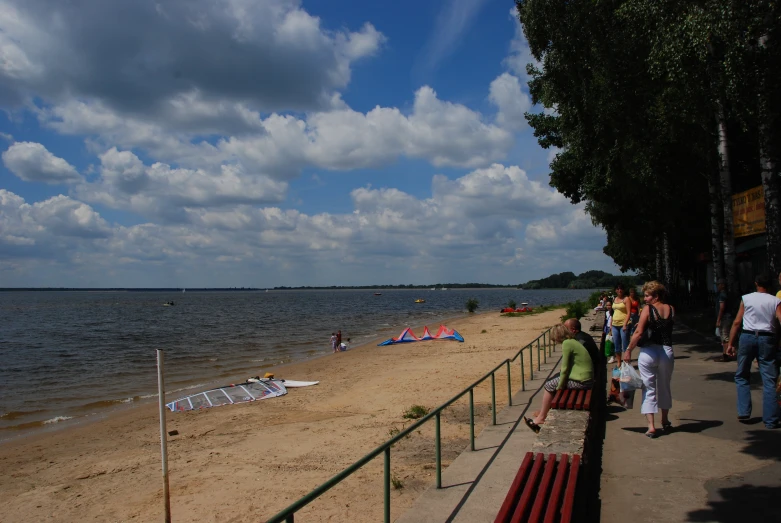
(579,401)
(571,399)
(556,399)
(558,490)
(529,490)
(541,498)
(569,494)
(515,490)
(587,401)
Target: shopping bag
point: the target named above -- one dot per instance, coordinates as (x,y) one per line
(615,387)
(609,346)
(630,379)
(628,398)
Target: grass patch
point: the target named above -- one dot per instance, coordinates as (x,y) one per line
(393,432)
(483,331)
(415,412)
(396,482)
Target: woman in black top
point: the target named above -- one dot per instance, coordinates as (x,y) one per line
(656,359)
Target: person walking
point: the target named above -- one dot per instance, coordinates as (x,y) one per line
(334,346)
(634,310)
(723,318)
(620,321)
(755,324)
(656,360)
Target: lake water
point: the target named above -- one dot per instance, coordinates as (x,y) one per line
(69,355)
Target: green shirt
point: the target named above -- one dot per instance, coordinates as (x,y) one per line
(575,363)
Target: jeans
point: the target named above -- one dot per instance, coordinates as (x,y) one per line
(656,365)
(763,349)
(620,339)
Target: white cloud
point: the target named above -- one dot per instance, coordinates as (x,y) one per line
(506,94)
(453,21)
(520,54)
(32,162)
(269,54)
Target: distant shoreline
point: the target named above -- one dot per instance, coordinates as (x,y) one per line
(449,286)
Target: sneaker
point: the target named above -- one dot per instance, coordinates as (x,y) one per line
(612,359)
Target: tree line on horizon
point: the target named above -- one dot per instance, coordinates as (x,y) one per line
(586,280)
(661,110)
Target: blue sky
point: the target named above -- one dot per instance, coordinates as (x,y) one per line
(274,142)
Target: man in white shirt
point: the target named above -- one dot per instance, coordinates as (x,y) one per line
(756,323)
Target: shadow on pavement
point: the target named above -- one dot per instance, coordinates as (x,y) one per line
(755,381)
(763,443)
(743,503)
(697,425)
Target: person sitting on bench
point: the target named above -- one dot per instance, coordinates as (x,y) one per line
(577,372)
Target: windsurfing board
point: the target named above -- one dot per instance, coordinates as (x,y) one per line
(294,384)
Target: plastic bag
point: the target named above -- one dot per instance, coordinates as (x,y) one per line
(718,332)
(630,379)
(609,346)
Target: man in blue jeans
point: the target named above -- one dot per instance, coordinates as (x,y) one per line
(757,328)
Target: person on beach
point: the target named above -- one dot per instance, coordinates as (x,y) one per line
(338,339)
(573,324)
(634,310)
(723,318)
(756,323)
(334,346)
(577,372)
(656,360)
(620,322)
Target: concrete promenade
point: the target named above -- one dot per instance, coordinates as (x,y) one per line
(710,468)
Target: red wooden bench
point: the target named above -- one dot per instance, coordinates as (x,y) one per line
(543,490)
(572,399)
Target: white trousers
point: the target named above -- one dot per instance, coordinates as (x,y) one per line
(656,370)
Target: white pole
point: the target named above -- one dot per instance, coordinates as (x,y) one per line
(163,434)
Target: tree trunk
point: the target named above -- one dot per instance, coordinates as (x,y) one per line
(725,179)
(659,262)
(717,246)
(668,262)
(770,175)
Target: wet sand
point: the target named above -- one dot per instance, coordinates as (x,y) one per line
(246,462)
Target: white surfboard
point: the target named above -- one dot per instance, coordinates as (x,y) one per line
(295,384)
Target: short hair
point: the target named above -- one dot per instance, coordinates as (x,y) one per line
(763,280)
(620,285)
(560,333)
(655,289)
(574,322)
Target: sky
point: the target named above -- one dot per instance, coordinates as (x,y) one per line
(260,143)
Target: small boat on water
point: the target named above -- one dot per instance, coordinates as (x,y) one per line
(169,304)
(378,294)
(420,301)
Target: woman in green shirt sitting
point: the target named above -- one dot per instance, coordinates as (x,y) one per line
(577,372)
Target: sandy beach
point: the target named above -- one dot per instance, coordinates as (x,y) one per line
(246,462)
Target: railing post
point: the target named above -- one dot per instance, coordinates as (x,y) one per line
(493,398)
(387,482)
(538,354)
(509,386)
(552,344)
(472,418)
(523,377)
(439,453)
(290,519)
(531,362)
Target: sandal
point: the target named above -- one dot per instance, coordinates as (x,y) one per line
(530,423)
(667,427)
(651,434)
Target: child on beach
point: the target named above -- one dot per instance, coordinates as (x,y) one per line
(334,347)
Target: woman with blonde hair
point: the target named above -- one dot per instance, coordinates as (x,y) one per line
(577,372)
(656,359)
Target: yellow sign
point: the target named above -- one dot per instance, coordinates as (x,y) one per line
(748,212)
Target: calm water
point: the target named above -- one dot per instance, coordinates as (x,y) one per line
(67,355)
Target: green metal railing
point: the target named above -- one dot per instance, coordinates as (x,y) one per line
(543,343)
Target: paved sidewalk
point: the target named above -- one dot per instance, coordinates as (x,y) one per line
(710,468)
